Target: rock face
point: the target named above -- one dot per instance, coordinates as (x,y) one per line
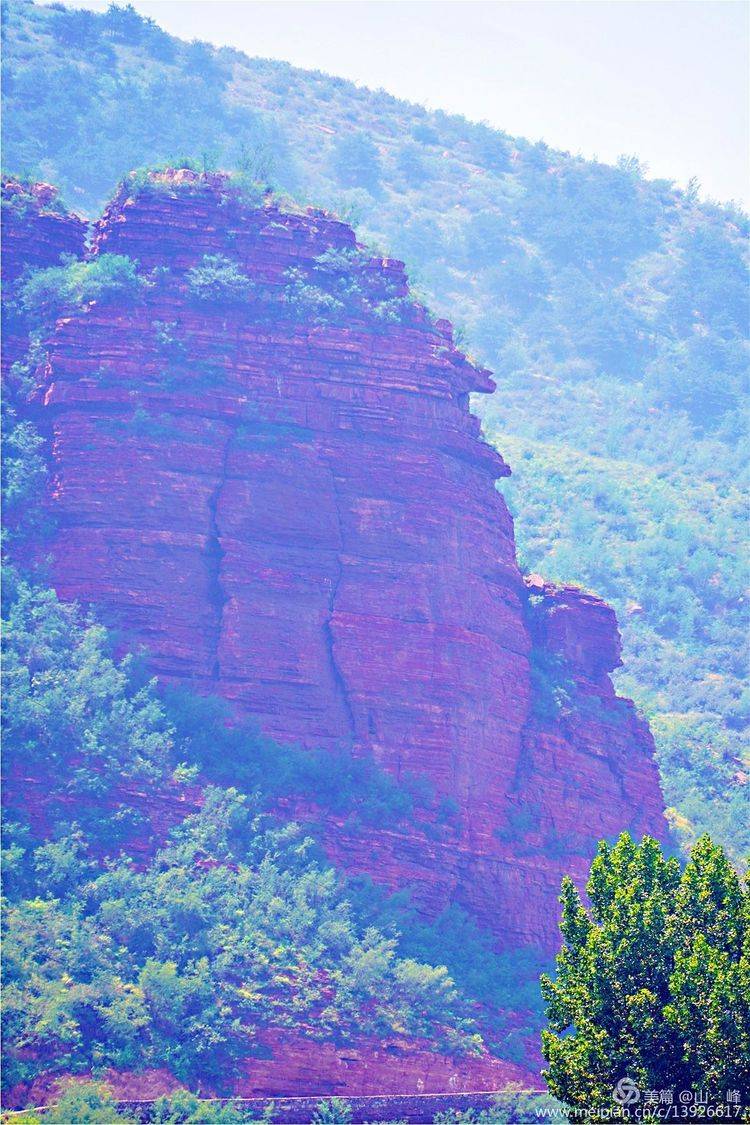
(303,1068)
(279,490)
(36,231)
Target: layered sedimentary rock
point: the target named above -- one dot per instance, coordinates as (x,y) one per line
(36,233)
(36,230)
(300,1067)
(281,493)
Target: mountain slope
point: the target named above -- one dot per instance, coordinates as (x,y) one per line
(250,449)
(611,308)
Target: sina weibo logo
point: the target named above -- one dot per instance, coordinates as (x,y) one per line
(626,1092)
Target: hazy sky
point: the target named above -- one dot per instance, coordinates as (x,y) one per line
(666,80)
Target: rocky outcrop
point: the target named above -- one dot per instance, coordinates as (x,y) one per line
(36,232)
(281,493)
(370,1068)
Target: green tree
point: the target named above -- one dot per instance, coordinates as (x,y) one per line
(24,475)
(510,1106)
(653,984)
(356,162)
(185,1107)
(333,1112)
(70,711)
(123,23)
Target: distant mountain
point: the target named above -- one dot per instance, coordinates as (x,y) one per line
(611,308)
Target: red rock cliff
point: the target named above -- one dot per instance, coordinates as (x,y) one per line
(287,501)
(36,231)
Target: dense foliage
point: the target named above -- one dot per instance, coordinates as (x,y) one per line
(49,293)
(613,308)
(653,985)
(232,927)
(229,924)
(506,983)
(511,1106)
(80,1101)
(83,1101)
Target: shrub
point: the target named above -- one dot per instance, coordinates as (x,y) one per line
(108,279)
(123,24)
(412,165)
(65,696)
(339,288)
(333,1112)
(233,926)
(84,1102)
(24,470)
(552,689)
(168,343)
(77,29)
(425,133)
(307,300)
(219,281)
(184,1108)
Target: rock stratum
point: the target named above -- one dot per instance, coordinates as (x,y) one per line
(283,496)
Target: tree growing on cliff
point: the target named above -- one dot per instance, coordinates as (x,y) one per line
(653,983)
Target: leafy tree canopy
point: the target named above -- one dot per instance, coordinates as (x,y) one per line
(653,982)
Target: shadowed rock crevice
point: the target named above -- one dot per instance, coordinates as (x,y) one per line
(328,625)
(214,554)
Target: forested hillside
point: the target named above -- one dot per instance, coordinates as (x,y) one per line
(611,308)
(233,925)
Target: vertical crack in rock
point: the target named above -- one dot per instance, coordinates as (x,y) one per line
(214,553)
(338,677)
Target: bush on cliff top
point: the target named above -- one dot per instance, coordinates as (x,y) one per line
(339,288)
